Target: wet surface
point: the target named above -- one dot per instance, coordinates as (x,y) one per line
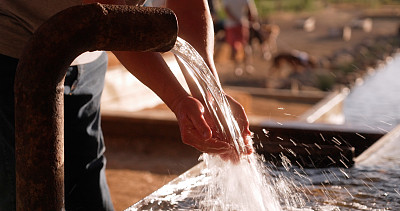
(363,187)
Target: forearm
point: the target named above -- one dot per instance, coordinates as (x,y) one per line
(196,27)
(151,69)
(253,13)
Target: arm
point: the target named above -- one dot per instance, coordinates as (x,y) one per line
(151,69)
(252,9)
(196,13)
(196,27)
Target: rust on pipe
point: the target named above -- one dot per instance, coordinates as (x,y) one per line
(39,132)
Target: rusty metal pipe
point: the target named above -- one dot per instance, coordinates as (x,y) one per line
(39,132)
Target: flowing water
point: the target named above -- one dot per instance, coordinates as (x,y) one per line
(231,187)
(256,185)
(374,104)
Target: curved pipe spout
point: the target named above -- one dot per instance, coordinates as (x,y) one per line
(39,136)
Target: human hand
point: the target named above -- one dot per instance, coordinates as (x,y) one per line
(246,142)
(241,118)
(196,132)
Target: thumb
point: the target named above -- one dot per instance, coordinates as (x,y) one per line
(199,122)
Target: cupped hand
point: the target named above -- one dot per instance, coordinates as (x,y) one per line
(203,135)
(196,132)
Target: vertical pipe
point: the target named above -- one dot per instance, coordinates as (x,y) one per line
(39,132)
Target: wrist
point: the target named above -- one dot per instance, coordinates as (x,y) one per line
(175,103)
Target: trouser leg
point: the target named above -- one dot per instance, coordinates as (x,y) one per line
(8,66)
(85,182)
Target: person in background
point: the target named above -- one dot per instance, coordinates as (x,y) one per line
(218,21)
(239,16)
(85,183)
(155,3)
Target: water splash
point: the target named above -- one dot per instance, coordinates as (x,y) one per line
(242,186)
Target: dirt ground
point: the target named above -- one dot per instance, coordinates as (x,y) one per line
(132,176)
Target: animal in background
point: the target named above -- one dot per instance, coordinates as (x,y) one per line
(291,70)
(297,62)
(265,35)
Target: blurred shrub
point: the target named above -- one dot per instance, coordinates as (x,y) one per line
(325,81)
(266,7)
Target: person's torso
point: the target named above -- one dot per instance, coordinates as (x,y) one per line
(20,18)
(237,8)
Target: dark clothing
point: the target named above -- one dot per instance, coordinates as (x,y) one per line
(7,137)
(85,183)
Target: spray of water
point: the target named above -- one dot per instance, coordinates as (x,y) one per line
(243,186)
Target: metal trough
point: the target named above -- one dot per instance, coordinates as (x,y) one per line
(313,145)
(40,78)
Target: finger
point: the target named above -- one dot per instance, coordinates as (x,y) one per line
(201,125)
(213,145)
(243,122)
(249,149)
(191,137)
(240,116)
(197,119)
(215,148)
(248,142)
(211,122)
